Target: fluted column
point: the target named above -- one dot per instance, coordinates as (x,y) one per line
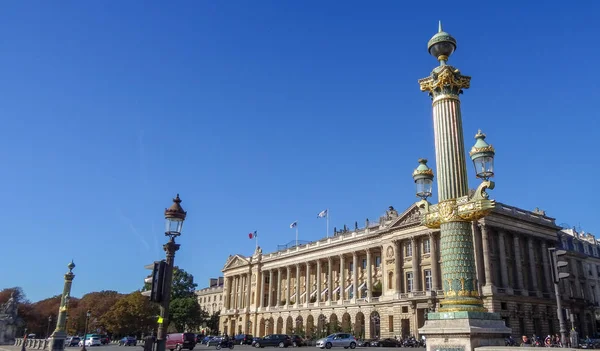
(307,284)
(287,285)
(234,293)
(270,288)
(342,278)
(248,289)
(260,288)
(297,285)
(329,279)
(415,265)
(546,267)
(518,262)
(228,287)
(532,268)
(398,266)
(486,255)
(277,303)
(355,275)
(503,264)
(435,271)
(369,275)
(318,279)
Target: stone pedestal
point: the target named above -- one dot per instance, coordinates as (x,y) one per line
(57,341)
(463,331)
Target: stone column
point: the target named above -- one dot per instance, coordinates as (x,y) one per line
(234,293)
(478,251)
(270,288)
(486,255)
(369,275)
(415,264)
(329,279)
(342,278)
(355,276)
(242,283)
(532,269)
(319,289)
(546,267)
(288,286)
(503,264)
(228,288)
(307,284)
(297,284)
(277,303)
(518,262)
(260,287)
(435,271)
(398,260)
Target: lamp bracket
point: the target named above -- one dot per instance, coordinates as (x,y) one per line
(463,209)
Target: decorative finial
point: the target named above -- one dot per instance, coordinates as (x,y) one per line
(71,266)
(441,45)
(440,27)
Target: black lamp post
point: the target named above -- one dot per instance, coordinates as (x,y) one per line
(174,216)
(87,318)
(48,329)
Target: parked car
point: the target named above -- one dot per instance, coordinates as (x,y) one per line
(128,341)
(298,341)
(388,342)
(243,339)
(344,340)
(178,341)
(199,338)
(94,341)
(280,340)
(72,341)
(214,341)
(104,339)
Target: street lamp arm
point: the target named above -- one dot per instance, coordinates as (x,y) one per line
(464,209)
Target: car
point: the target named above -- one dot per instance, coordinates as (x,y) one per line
(93,341)
(214,341)
(344,340)
(104,339)
(280,340)
(178,341)
(298,341)
(128,341)
(72,341)
(243,339)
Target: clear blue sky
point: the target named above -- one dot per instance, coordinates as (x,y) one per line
(260,113)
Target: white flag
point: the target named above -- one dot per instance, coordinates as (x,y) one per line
(322,214)
(294,225)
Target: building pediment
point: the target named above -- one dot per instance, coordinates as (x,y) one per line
(235,261)
(410,217)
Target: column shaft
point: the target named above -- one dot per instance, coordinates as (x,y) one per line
(319,288)
(503,263)
(260,287)
(415,264)
(354,276)
(532,269)
(329,279)
(369,276)
(342,279)
(270,303)
(548,286)
(297,301)
(398,260)
(287,285)
(307,284)
(486,255)
(518,262)
(278,287)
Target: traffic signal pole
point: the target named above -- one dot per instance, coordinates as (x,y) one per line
(556,276)
(170,248)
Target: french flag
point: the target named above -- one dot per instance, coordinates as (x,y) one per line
(253,235)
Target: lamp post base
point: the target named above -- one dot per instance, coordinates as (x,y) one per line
(463,331)
(57,341)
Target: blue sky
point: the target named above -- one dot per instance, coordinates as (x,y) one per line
(260,113)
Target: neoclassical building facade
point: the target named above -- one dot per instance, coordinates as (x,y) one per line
(381,280)
(210,298)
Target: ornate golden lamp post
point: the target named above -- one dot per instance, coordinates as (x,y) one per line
(461,321)
(57,339)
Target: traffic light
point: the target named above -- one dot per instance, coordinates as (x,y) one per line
(557,264)
(155,280)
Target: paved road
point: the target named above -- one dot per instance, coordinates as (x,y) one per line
(203,347)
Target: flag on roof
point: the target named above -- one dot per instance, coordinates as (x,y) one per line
(294,225)
(322,214)
(253,235)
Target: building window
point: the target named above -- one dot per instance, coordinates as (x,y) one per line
(408,250)
(426,246)
(582,290)
(427,273)
(351,266)
(409,282)
(377,261)
(267,281)
(391,324)
(390,280)
(364,263)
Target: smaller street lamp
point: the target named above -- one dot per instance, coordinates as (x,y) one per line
(423,177)
(87,318)
(48,330)
(482,155)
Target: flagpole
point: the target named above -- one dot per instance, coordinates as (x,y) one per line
(296,234)
(256,239)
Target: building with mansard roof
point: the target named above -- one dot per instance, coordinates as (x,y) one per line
(381,280)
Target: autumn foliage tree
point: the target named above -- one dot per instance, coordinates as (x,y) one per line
(131,315)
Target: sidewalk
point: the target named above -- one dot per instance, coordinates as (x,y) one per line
(10,348)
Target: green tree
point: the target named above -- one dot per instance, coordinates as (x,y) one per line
(183,284)
(186,314)
(131,315)
(213,322)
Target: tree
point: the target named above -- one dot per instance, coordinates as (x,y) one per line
(213,322)
(186,314)
(183,284)
(19,295)
(131,315)
(98,303)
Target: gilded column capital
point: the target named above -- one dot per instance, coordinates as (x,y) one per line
(445,81)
